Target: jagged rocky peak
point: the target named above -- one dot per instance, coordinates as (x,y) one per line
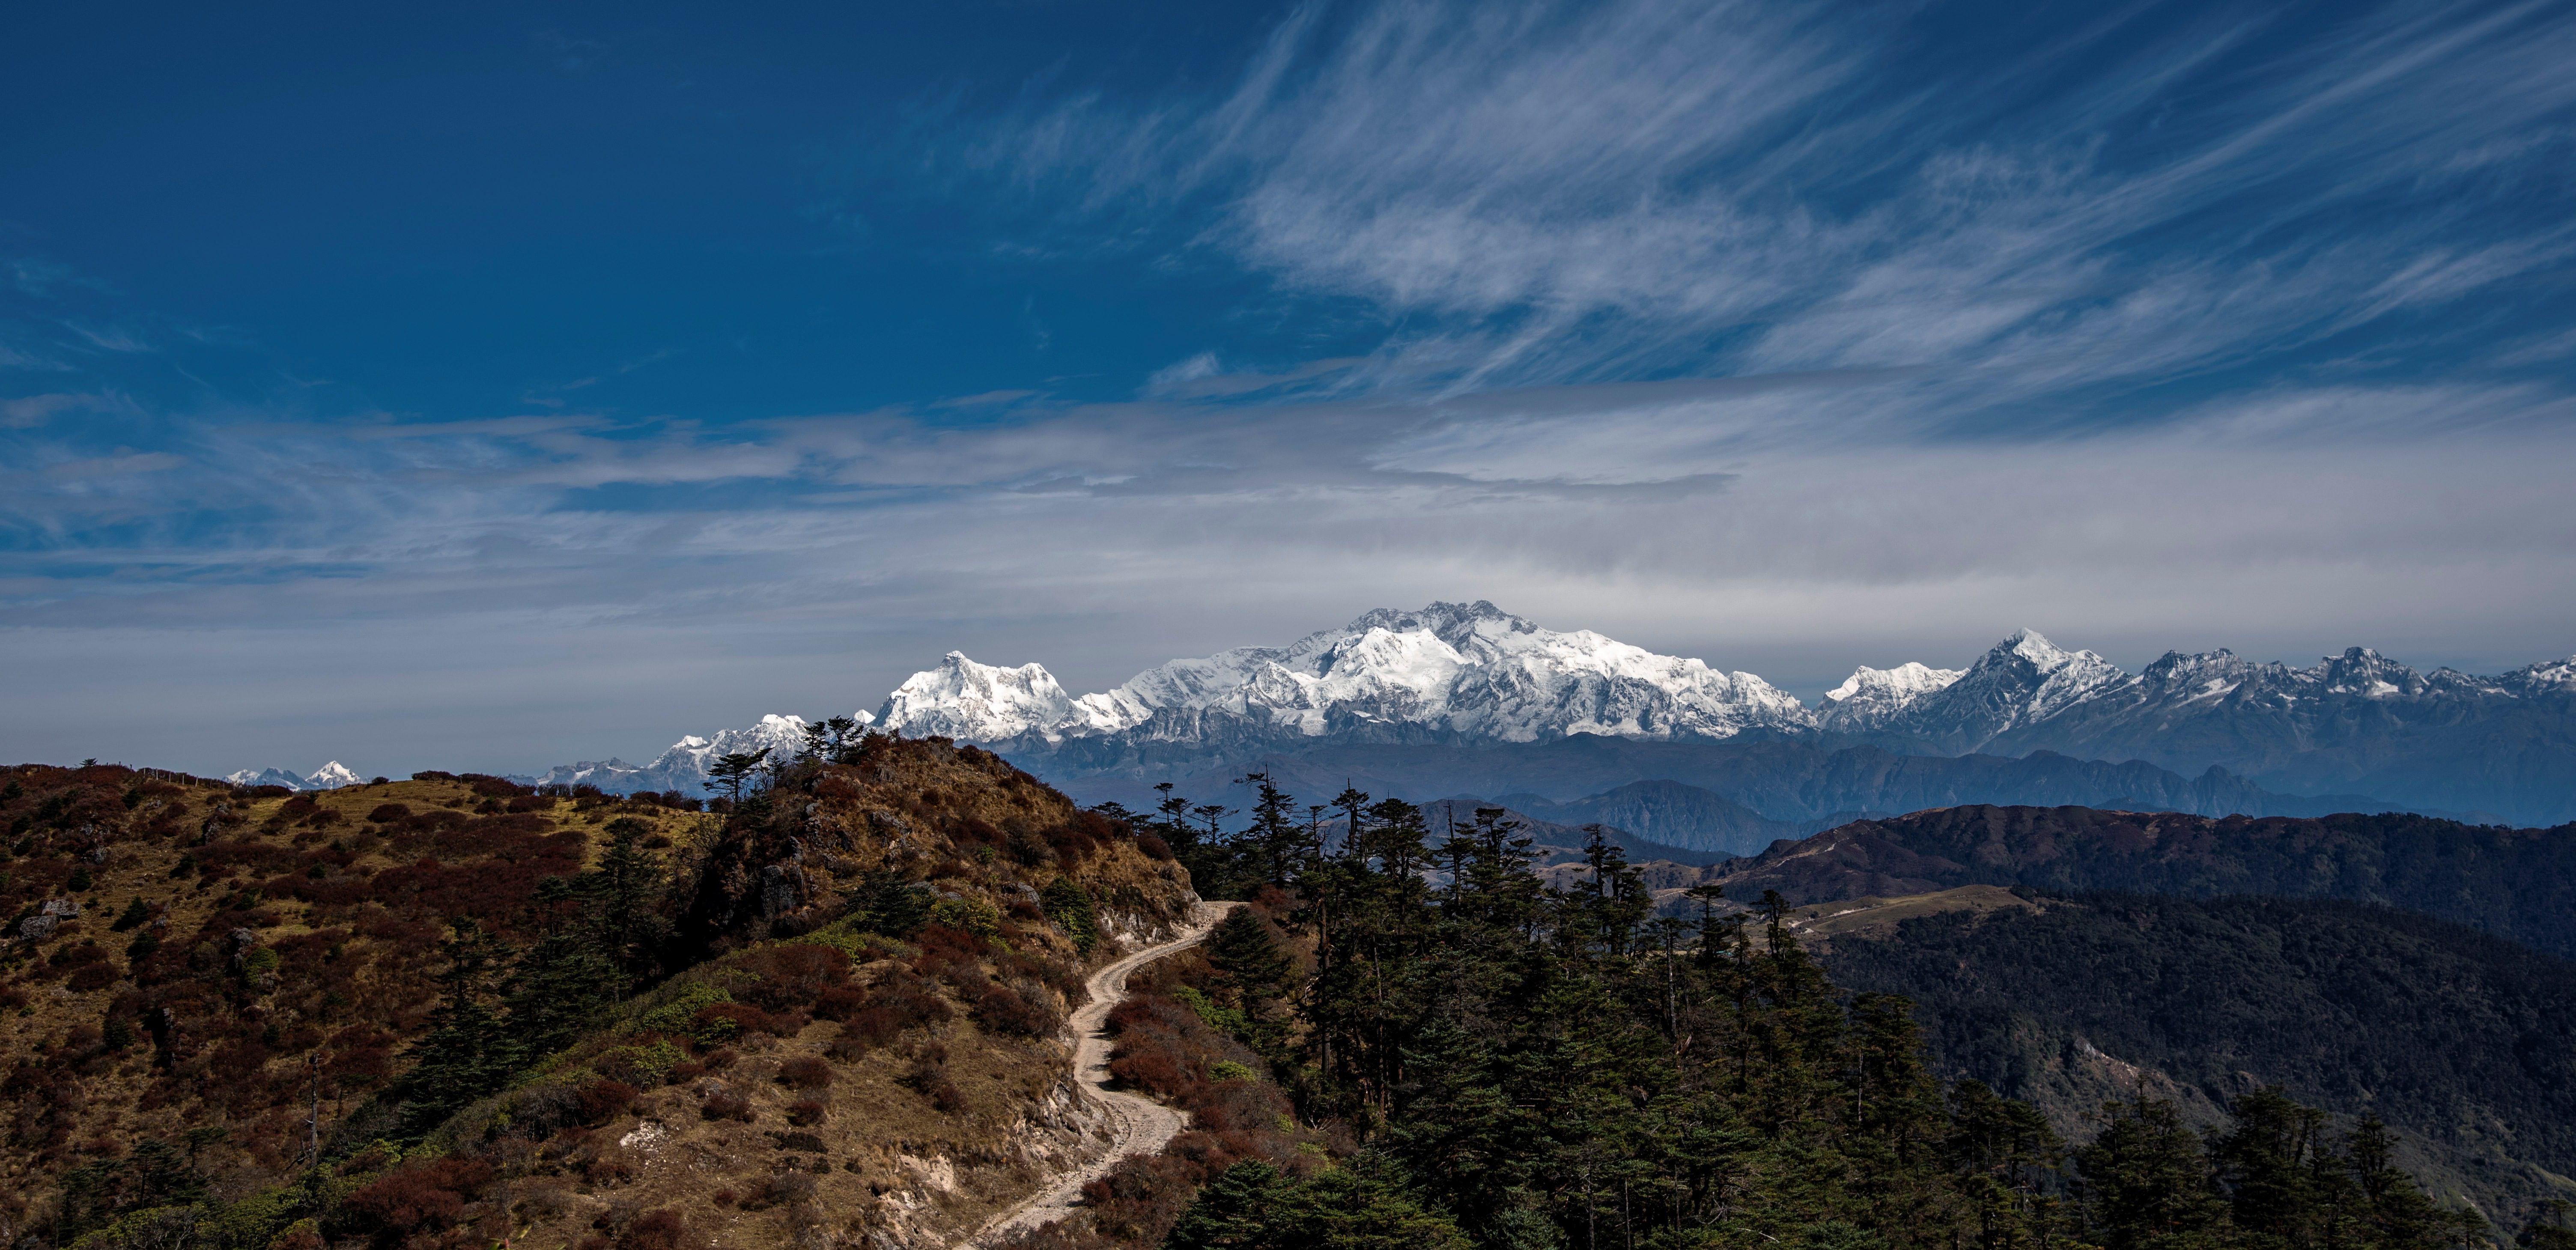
(2187,666)
(2019,681)
(2362,671)
(2064,676)
(2554,676)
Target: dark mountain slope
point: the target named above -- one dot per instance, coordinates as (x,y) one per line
(2514,883)
(1676,815)
(1786,781)
(1553,837)
(2463,1040)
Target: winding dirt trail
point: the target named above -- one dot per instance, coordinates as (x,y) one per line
(1137,1125)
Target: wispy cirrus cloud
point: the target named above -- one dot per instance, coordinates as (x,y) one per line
(1590,191)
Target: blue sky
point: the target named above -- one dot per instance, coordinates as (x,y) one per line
(500,386)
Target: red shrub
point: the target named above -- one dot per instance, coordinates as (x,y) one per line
(954,967)
(1143,1196)
(805,1111)
(490,786)
(1152,1071)
(661,1229)
(805,1072)
(752,1019)
(870,1028)
(419,1195)
(931,1081)
(1015,1011)
(900,1001)
(724,1104)
(91,976)
(297,1237)
(603,1100)
(780,1189)
(794,974)
(839,1002)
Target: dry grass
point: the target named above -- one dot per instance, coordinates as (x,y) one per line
(1818,923)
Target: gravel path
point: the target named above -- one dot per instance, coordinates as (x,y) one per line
(1137,1125)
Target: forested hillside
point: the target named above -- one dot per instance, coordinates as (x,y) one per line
(2514,883)
(2465,1042)
(1515,1066)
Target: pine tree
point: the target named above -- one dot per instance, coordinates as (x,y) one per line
(565,977)
(627,884)
(471,1052)
(893,906)
(1255,974)
(2147,1184)
(2396,1213)
(2548,1228)
(2279,1171)
(732,771)
(1276,844)
(1069,905)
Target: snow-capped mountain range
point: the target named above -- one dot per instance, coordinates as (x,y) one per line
(1464,674)
(1466,669)
(330,776)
